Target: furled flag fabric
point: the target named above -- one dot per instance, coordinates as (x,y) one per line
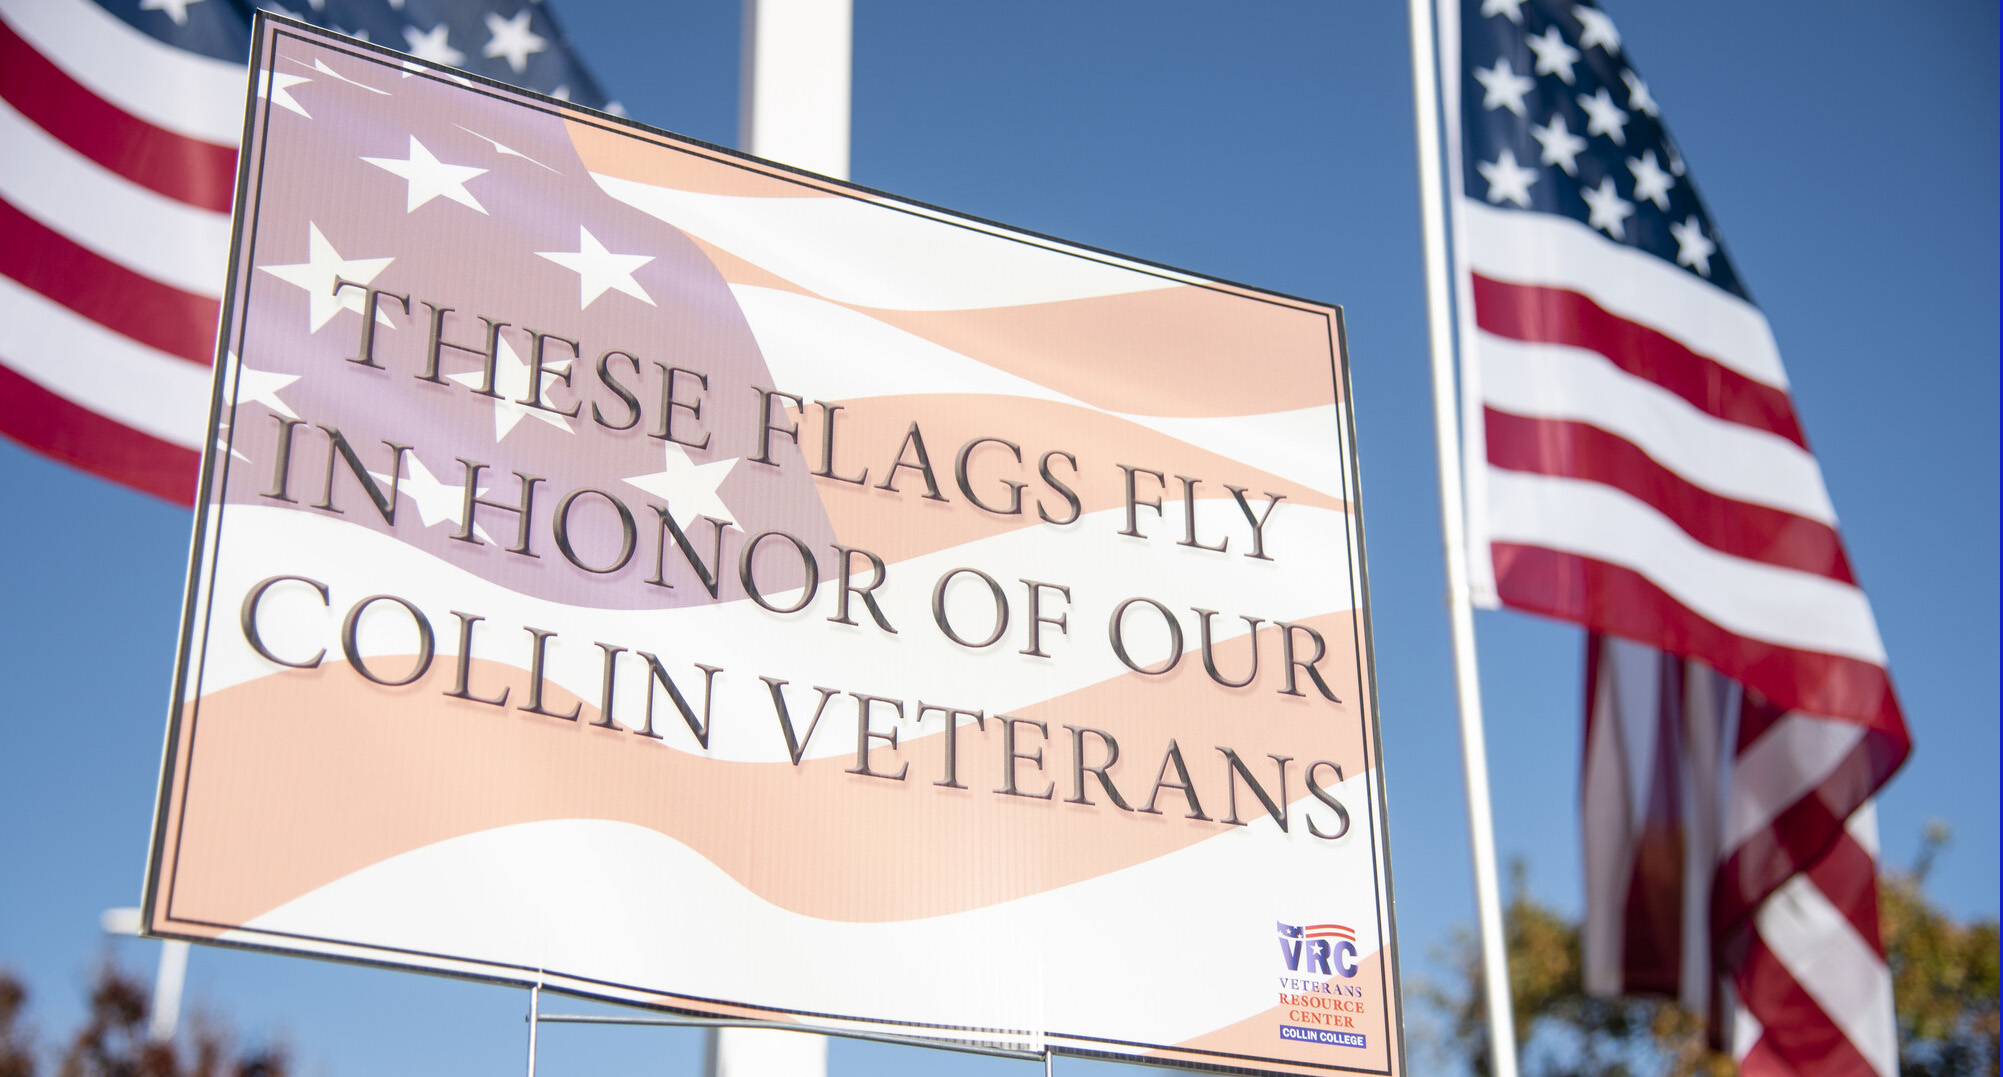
(119,122)
(1637,466)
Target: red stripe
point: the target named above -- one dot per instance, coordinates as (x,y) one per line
(1623,602)
(1799,1038)
(157,315)
(1848,876)
(1803,833)
(1652,917)
(199,173)
(1541,315)
(52,425)
(1578,450)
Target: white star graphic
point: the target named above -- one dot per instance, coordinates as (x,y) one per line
(223,443)
(321,66)
(1508,9)
(1502,87)
(1638,97)
(1561,146)
(176,10)
(1603,117)
(277,86)
(261,387)
(426,177)
(687,488)
(432,45)
(436,502)
(505,151)
(1595,28)
(1609,209)
(317,273)
(513,39)
(1650,181)
(1554,57)
(598,269)
(1507,180)
(511,380)
(1693,247)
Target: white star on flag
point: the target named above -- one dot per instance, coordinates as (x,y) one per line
(432,45)
(511,380)
(317,274)
(261,387)
(1507,180)
(426,177)
(687,488)
(1609,210)
(1603,117)
(1508,9)
(513,39)
(176,10)
(1554,57)
(1693,247)
(598,269)
(1502,87)
(321,66)
(277,88)
(503,150)
(1596,28)
(436,502)
(1638,97)
(1650,181)
(1561,146)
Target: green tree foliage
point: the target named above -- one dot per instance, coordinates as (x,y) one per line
(1944,977)
(113,1041)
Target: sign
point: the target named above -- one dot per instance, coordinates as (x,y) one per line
(650,571)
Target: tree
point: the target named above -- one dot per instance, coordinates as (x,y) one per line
(113,1040)
(1944,985)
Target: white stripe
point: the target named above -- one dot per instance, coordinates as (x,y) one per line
(1607,832)
(854,251)
(1835,965)
(147,232)
(1555,381)
(184,92)
(105,372)
(1558,252)
(1785,764)
(1752,599)
(823,351)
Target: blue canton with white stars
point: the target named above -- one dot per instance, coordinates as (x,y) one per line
(511,41)
(1557,120)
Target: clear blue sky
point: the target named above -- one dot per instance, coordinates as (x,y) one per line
(1849,152)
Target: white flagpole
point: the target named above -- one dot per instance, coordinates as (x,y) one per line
(1460,612)
(793,107)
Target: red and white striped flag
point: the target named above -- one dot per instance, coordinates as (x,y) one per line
(1637,466)
(118,131)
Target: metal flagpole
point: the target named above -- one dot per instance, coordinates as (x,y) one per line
(1460,612)
(793,107)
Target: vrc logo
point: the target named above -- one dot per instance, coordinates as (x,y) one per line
(1309,949)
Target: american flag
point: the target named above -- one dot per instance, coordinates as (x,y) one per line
(1636,464)
(119,122)
(617,322)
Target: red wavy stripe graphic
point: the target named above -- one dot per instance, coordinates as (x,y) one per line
(160,316)
(636,155)
(82,438)
(300,778)
(1625,603)
(202,174)
(1542,315)
(870,433)
(1577,450)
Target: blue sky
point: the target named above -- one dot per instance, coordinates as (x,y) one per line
(1850,159)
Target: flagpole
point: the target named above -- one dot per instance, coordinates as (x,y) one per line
(793,107)
(1453,528)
